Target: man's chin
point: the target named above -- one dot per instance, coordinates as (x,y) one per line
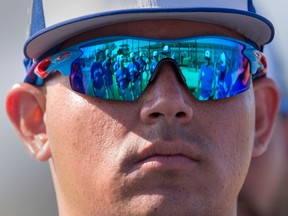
(163,204)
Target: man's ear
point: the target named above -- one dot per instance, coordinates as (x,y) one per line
(25,106)
(267,105)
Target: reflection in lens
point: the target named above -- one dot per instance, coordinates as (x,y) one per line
(120,69)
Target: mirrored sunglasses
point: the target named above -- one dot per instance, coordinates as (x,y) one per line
(121,67)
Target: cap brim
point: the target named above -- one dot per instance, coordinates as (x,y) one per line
(255,27)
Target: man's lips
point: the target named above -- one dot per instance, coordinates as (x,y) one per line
(167,155)
(168,162)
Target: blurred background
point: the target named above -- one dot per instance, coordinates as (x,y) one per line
(25,185)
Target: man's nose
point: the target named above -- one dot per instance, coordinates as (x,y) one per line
(168,98)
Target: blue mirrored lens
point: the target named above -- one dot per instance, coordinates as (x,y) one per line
(120,69)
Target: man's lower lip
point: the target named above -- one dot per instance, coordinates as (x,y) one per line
(167,162)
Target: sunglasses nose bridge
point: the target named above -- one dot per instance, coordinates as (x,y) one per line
(175,66)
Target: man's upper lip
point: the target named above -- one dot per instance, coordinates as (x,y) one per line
(171,148)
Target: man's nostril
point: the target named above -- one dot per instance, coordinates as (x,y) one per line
(155,114)
(180,114)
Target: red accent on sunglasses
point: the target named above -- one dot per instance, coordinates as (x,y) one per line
(63,56)
(41,68)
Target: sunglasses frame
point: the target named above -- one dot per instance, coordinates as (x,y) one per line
(62,61)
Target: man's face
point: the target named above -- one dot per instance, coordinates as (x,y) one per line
(164,154)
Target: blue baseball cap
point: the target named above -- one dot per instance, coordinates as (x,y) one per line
(53,21)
